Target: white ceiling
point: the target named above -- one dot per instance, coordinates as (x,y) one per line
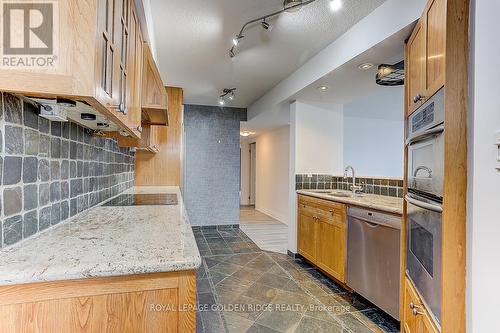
(348,82)
(193,38)
(345,84)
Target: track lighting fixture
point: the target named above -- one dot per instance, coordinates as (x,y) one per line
(265,25)
(227,94)
(236,40)
(288,6)
(292,5)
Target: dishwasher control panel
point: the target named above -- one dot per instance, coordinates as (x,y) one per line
(376,217)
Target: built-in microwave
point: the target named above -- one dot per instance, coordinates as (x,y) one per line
(425,174)
(425,129)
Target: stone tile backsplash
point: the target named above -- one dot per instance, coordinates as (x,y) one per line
(51,171)
(371,185)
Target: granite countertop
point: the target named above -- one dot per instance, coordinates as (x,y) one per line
(373,201)
(104,242)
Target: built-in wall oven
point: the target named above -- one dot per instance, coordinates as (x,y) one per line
(425,174)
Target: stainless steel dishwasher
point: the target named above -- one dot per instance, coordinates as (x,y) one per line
(373,251)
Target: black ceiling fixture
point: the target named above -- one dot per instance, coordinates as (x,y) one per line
(391,75)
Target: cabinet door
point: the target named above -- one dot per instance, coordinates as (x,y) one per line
(332,248)
(135,74)
(435,31)
(409,321)
(106,52)
(121,87)
(307,235)
(415,317)
(416,68)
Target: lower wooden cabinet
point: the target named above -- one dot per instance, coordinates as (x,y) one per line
(322,235)
(416,319)
(159,302)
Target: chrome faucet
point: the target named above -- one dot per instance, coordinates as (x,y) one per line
(355,188)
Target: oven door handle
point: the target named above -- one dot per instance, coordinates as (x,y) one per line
(424,205)
(433,131)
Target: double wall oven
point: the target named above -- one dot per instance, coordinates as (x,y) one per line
(425,174)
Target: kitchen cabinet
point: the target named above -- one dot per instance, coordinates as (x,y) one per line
(109,304)
(96,59)
(425,54)
(154,94)
(322,235)
(415,317)
(149,141)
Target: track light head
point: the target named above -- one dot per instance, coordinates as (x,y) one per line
(221,101)
(236,40)
(231,53)
(265,25)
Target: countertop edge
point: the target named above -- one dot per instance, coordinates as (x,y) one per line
(348,201)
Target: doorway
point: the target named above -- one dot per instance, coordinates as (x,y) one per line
(252,173)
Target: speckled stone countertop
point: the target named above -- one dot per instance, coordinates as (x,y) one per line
(373,201)
(104,242)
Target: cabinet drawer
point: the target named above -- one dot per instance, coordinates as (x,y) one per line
(327,211)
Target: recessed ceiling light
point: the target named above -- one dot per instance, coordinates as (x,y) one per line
(323,88)
(365,66)
(335,5)
(246,134)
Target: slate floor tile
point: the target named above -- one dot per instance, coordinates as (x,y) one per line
(282,321)
(313,325)
(268,286)
(256,328)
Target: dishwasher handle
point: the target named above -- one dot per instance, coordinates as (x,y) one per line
(371,225)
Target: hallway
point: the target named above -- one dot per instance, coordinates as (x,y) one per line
(269,234)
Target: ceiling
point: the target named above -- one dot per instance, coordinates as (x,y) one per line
(193,37)
(345,84)
(348,82)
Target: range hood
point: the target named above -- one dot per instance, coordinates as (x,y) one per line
(391,75)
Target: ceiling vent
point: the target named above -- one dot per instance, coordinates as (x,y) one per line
(391,75)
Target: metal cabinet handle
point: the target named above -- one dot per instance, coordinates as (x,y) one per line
(412,306)
(417,98)
(416,312)
(139,129)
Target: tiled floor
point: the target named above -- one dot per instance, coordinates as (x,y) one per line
(244,289)
(268,233)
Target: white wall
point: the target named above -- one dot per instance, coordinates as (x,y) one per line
(483,270)
(374,133)
(245,172)
(319,137)
(272,173)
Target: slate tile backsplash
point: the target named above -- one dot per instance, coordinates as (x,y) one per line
(371,185)
(50,171)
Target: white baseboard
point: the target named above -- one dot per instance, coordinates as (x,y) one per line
(274,215)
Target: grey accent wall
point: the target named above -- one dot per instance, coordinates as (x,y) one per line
(51,171)
(212,164)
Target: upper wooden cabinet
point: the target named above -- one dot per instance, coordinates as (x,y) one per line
(154,94)
(97,58)
(425,54)
(149,141)
(322,235)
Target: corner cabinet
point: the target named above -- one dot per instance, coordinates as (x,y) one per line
(425,54)
(322,235)
(98,60)
(416,319)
